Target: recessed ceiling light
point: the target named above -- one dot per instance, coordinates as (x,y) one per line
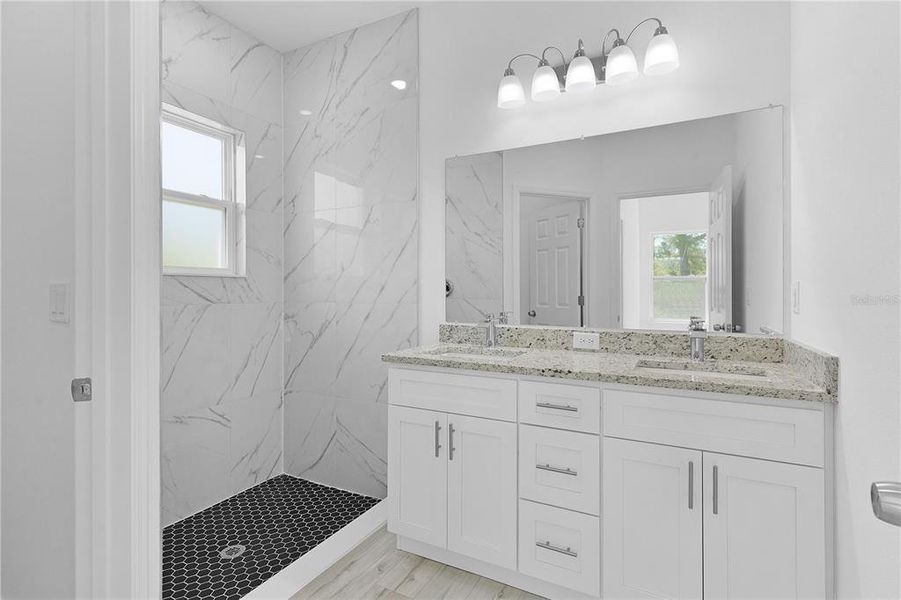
(305,113)
(399,84)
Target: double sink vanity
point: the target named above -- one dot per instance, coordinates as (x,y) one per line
(623,472)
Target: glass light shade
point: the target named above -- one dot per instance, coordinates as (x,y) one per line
(662,55)
(545,85)
(510,93)
(621,66)
(580,75)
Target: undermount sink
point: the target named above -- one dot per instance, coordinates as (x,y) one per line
(704,368)
(476,351)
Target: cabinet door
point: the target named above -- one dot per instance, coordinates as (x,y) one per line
(481,483)
(764,532)
(417,474)
(652,518)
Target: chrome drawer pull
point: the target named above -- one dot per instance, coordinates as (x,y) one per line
(565,407)
(549,546)
(565,471)
(437,438)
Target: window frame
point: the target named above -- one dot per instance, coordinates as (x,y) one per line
(654,278)
(233,191)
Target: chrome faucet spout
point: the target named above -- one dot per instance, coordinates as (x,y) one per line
(697,333)
(491,331)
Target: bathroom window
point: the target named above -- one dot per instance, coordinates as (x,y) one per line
(203,195)
(679,275)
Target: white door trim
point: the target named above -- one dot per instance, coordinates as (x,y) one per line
(146,552)
(511,244)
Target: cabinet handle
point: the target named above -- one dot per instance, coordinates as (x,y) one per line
(565,407)
(563,470)
(691,485)
(437,438)
(716,490)
(450,441)
(549,546)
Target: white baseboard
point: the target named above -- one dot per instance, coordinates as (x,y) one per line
(305,569)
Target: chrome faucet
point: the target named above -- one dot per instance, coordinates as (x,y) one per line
(491,331)
(697,333)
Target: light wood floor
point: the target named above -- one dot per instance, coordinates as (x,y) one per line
(377,569)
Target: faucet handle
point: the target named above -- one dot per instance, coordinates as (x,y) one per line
(696,324)
(503,318)
(489,318)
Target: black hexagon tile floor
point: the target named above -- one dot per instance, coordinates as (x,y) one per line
(225,551)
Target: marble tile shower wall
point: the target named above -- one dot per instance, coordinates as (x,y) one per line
(351,237)
(222,338)
(475,236)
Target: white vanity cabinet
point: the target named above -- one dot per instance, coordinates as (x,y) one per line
(453,476)
(585,490)
(684,522)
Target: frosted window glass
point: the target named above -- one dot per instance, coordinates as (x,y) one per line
(193,236)
(192,162)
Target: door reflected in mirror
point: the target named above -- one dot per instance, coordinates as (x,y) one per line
(640,229)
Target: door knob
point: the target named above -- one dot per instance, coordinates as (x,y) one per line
(532,313)
(886,499)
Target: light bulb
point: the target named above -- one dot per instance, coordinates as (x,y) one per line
(621,65)
(509,92)
(662,55)
(545,85)
(580,75)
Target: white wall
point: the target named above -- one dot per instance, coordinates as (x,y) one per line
(845,243)
(38,138)
(733,58)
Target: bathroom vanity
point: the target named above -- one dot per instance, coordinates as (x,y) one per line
(616,474)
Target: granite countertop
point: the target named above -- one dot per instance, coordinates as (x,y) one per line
(759,379)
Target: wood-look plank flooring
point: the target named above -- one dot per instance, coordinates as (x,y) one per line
(376,569)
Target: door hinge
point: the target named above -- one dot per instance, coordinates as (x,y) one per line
(82,389)
(581,300)
(580,223)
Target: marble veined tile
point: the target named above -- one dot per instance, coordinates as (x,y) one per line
(195,359)
(309,81)
(377,254)
(255,349)
(310,172)
(475,233)
(369,58)
(352,453)
(255,439)
(195,48)
(309,429)
(376,155)
(471,310)
(255,76)
(311,264)
(311,344)
(365,332)
(194,461)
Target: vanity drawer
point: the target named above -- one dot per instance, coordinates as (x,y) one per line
(560,468)
(560,405)
(560,546)
(489,397)
(793,435)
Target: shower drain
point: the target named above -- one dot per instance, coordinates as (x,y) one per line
(233,551)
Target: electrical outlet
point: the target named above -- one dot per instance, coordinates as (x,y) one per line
(586,341)
(796,297)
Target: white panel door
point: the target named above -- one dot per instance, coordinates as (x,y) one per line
(763,530)
(552,236)
(719,248)
(652,521)
(481,483)
(417,474)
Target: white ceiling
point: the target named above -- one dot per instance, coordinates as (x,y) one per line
(289,25)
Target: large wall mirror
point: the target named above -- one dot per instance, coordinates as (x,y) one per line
(639,230)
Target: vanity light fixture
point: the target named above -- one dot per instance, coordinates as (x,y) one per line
(615,66)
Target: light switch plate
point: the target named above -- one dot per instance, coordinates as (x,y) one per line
(59,302)
(586,341)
